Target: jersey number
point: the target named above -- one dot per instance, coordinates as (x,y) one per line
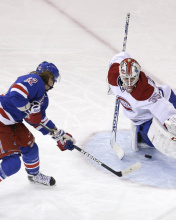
(155,97)
(31,80)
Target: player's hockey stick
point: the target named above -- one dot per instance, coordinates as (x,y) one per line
(119,151)
(121,173)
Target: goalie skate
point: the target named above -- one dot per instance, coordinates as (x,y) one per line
(42,179)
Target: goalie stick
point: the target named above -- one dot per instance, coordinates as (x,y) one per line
(126,31)
(121,173)
(119,151)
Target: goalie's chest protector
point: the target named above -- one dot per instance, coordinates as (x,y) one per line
(134,109)
(134,104)
(145,101)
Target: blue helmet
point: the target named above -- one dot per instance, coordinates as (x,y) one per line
(48,66)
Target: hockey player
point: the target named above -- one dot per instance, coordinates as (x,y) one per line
(151,109)
(27,99)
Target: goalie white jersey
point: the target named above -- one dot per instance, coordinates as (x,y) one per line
(145,101)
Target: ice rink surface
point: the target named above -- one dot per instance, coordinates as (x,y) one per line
(81,37)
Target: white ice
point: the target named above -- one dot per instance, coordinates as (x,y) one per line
(81,37)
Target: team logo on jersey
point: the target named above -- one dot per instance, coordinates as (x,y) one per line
(125,104)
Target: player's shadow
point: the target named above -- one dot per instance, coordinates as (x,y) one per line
(159,171)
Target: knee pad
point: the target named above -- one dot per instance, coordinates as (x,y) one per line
(11,164)
(134,137)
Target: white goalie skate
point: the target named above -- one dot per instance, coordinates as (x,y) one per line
(42,179)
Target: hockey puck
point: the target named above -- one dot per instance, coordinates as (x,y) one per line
(148,156)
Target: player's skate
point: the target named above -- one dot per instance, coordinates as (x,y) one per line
(42,179)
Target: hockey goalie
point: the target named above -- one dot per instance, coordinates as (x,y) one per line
(151,108)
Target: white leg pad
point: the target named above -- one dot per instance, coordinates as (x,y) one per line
(163,140)
(134,137)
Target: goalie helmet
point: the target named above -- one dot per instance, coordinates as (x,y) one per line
(48,66)
(129,73)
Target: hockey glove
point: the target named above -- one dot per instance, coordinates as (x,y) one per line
(64,140)
(170,124)
(34,115)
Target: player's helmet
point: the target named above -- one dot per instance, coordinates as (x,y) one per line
(129,73)
(48,66)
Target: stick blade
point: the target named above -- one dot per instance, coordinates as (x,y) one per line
(131,169)
(118,150)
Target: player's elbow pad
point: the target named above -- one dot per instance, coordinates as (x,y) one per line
(24,108)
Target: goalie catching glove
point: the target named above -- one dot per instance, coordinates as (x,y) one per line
(65,141)
(171,124)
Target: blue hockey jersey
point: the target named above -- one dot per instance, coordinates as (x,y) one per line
(26,89)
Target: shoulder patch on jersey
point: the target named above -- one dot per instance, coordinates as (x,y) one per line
(143,89)
(113,74)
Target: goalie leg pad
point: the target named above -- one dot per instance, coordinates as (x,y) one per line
(163,140)
(134,137)
(139,138)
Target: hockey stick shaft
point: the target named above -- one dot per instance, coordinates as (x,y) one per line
(126,31)
(119,151)
(117,103)
(115,120)
(124,172)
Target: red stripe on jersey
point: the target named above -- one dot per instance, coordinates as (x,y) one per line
(16,86)
(113,74)
(143,90)
(32,166)
(2,112)
(44,120)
